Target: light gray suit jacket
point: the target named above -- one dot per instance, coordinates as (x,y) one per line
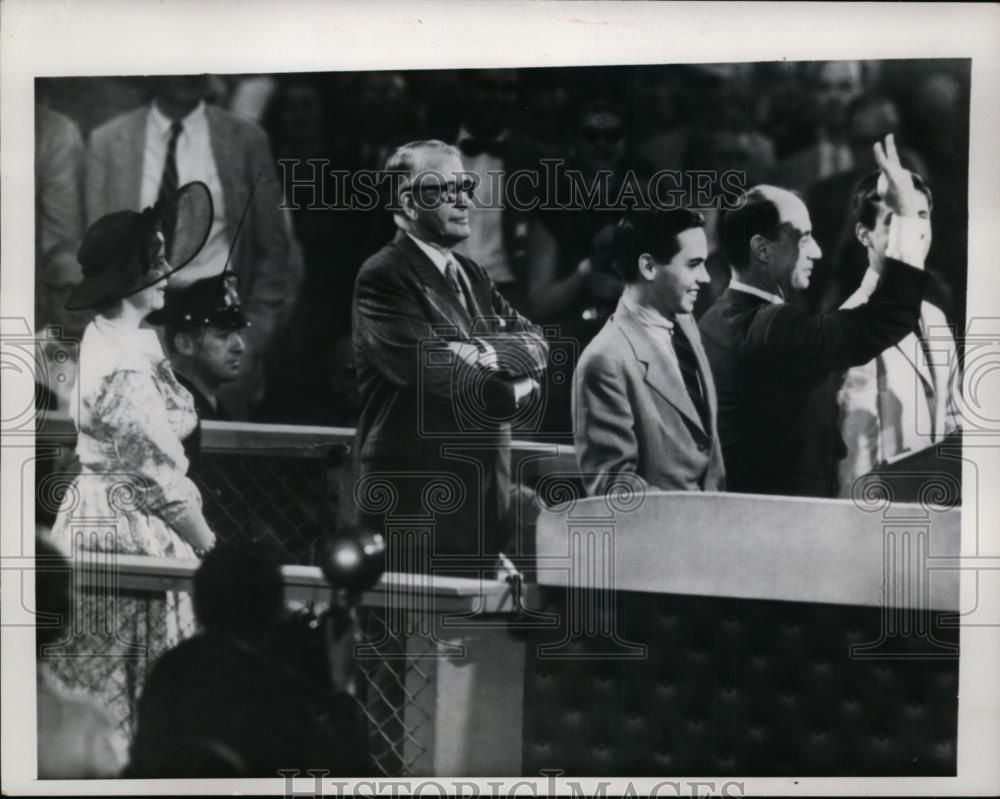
(268,284)
(634,419)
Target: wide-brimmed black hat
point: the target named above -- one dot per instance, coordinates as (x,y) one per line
(211,301)
(114,252)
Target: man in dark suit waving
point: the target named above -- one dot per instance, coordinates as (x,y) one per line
(768,357)
(443,364)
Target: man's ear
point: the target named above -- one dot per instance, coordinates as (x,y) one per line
(863,234)
(185,343)
(760,248)
(407,202)
(647,266)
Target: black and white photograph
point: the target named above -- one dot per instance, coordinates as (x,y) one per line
(501,399)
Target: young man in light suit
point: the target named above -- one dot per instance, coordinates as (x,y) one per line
(644,404)
(904,399)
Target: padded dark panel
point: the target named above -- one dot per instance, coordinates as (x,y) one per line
(740,687)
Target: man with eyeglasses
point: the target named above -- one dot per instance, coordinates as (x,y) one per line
(444,365)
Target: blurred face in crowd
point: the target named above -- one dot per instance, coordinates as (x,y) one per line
(877,239)
(872,122)
(213,354)
(180,92)
(301,116)
(490,95)
(600,140)
(675,284)
(436,201)
(383,104)
(837,83)
(793,253)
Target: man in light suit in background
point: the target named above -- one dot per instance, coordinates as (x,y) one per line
(145,154)
(904,399)
(644,405)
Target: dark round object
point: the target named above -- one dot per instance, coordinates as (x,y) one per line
(353,561)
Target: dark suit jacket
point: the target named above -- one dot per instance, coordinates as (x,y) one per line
(634,414)
(768,360)
(267,282)
(435,427)
(213,708)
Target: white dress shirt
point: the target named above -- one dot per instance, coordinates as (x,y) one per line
(904,399)
(484,355)
(440,259)
(738,285)
(194,162)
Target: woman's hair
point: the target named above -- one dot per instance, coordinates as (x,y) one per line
(147,254)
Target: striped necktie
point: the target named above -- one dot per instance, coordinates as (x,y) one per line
(451,272)
(688,363)
(168,185)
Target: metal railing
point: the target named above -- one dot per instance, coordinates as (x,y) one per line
(130,609)
(290,485)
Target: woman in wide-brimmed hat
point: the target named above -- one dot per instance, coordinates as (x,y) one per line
(133,495)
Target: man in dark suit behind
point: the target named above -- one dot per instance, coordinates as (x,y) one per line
(443,364)
(643,399)
(768,357)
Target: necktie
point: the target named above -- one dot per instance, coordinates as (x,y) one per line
(168,185)
(689,371)
(451,272)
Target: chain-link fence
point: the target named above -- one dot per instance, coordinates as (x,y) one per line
(284,488)
(116,636)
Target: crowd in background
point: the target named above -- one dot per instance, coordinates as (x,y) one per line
(805,126)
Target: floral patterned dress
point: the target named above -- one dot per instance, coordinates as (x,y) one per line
(131,417)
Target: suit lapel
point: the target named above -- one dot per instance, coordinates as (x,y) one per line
(659,376)
(435,285)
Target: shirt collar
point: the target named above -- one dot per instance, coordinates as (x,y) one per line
(739,285)
(161,122)
(863,292)
(870,281)
(648,317)
(438,258)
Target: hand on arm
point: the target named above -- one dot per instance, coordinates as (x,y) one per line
(409,351)
(135,414)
